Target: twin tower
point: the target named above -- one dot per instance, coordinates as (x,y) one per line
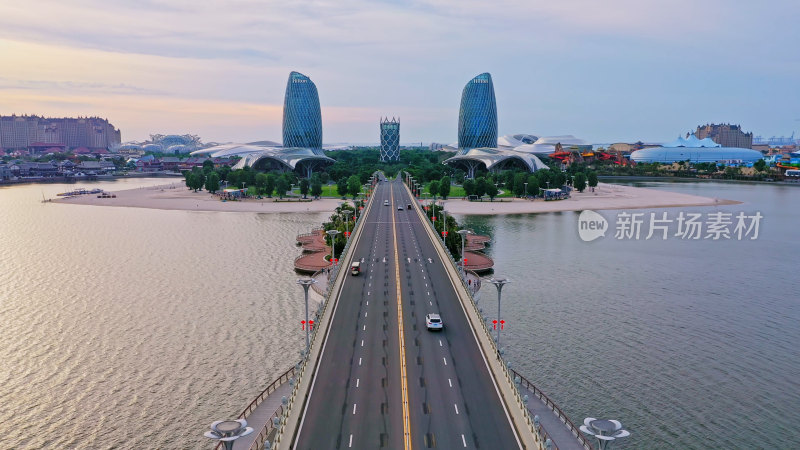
(302,119)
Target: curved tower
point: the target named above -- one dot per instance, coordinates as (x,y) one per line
(302,119)
(477,118)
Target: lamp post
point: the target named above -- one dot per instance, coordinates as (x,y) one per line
(463,234)
(347,214)
(526,190)
(227,431)
(444,224)
(499,283)
(306,283)
(332,234)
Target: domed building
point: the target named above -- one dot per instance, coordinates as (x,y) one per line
(695,151)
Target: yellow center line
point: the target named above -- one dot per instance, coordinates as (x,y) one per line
(403,381)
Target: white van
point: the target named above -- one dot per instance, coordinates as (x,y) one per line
(355,268)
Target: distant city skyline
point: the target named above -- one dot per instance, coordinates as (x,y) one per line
(603,72)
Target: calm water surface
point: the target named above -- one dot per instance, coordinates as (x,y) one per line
(134,328)
(691,344)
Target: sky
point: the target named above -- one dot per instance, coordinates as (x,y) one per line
(614,71)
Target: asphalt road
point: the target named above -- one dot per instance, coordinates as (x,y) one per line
(356,400)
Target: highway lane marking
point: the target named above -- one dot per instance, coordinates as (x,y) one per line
(365,328)
(362,342)
(429,292)
(430,303)
(440,342)
(368,293)
(351,441)
(365,314)
(450,382)
(354,408)
(357,380)
(445,360)
(367,302)
(403,380)
(456,407)
(463,441)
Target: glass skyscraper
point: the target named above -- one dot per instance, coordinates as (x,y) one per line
(477,118)
(390,139)
(302,119)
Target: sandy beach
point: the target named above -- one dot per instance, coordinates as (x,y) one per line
(605,196)
(175,196)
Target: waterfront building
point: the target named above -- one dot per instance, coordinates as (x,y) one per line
(35,133)
(477,134)
(477,117)
(302,135)
(302,118)
(390,139)
(695,150)
(726,135)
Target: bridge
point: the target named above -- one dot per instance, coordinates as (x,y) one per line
(375,377)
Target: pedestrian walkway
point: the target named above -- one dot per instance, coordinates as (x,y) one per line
(260,416)
(554,424)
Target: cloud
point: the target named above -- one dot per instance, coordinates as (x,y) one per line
(571,57)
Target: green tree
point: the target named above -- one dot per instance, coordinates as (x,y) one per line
(433,188)
(261,182)
(480,187)
(269,184)
(354,186)
(592,178)
(224,171)
(208,166)
(491,191)
(316,188)
(341,187)
(519,184)
(580,181)
(444,187)
(760,165)
(281,185)
(304,185)
(212,182)
(533,185)
(469,187)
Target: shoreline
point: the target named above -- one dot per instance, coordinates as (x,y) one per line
(175,196)
(606,196)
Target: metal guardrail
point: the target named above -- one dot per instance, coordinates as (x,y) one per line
(260,398)
(558,412)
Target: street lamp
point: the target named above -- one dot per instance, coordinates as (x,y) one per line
(526,190)
(227,431)
(332,234)
(347,214)
(499,283)
(306,283)
(463,234)
(606,431)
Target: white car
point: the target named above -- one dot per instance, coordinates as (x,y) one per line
(434,322)
(386,203)
(399,207)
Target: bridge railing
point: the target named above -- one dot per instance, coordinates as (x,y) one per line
(303,364)
(512,379)
(556,410)
(260,398)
